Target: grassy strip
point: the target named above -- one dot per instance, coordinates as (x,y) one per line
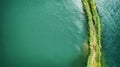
(96,19)
(94,59)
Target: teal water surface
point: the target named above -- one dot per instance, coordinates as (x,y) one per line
(52,33)
(109,12)
(42,33)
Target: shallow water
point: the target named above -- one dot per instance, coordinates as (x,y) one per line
(42,33)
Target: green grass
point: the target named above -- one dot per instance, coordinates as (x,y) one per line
(94,59)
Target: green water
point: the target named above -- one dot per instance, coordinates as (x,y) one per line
(52,33)
(42,33)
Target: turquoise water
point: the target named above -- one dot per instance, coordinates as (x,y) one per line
(52,33)
(42,33)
